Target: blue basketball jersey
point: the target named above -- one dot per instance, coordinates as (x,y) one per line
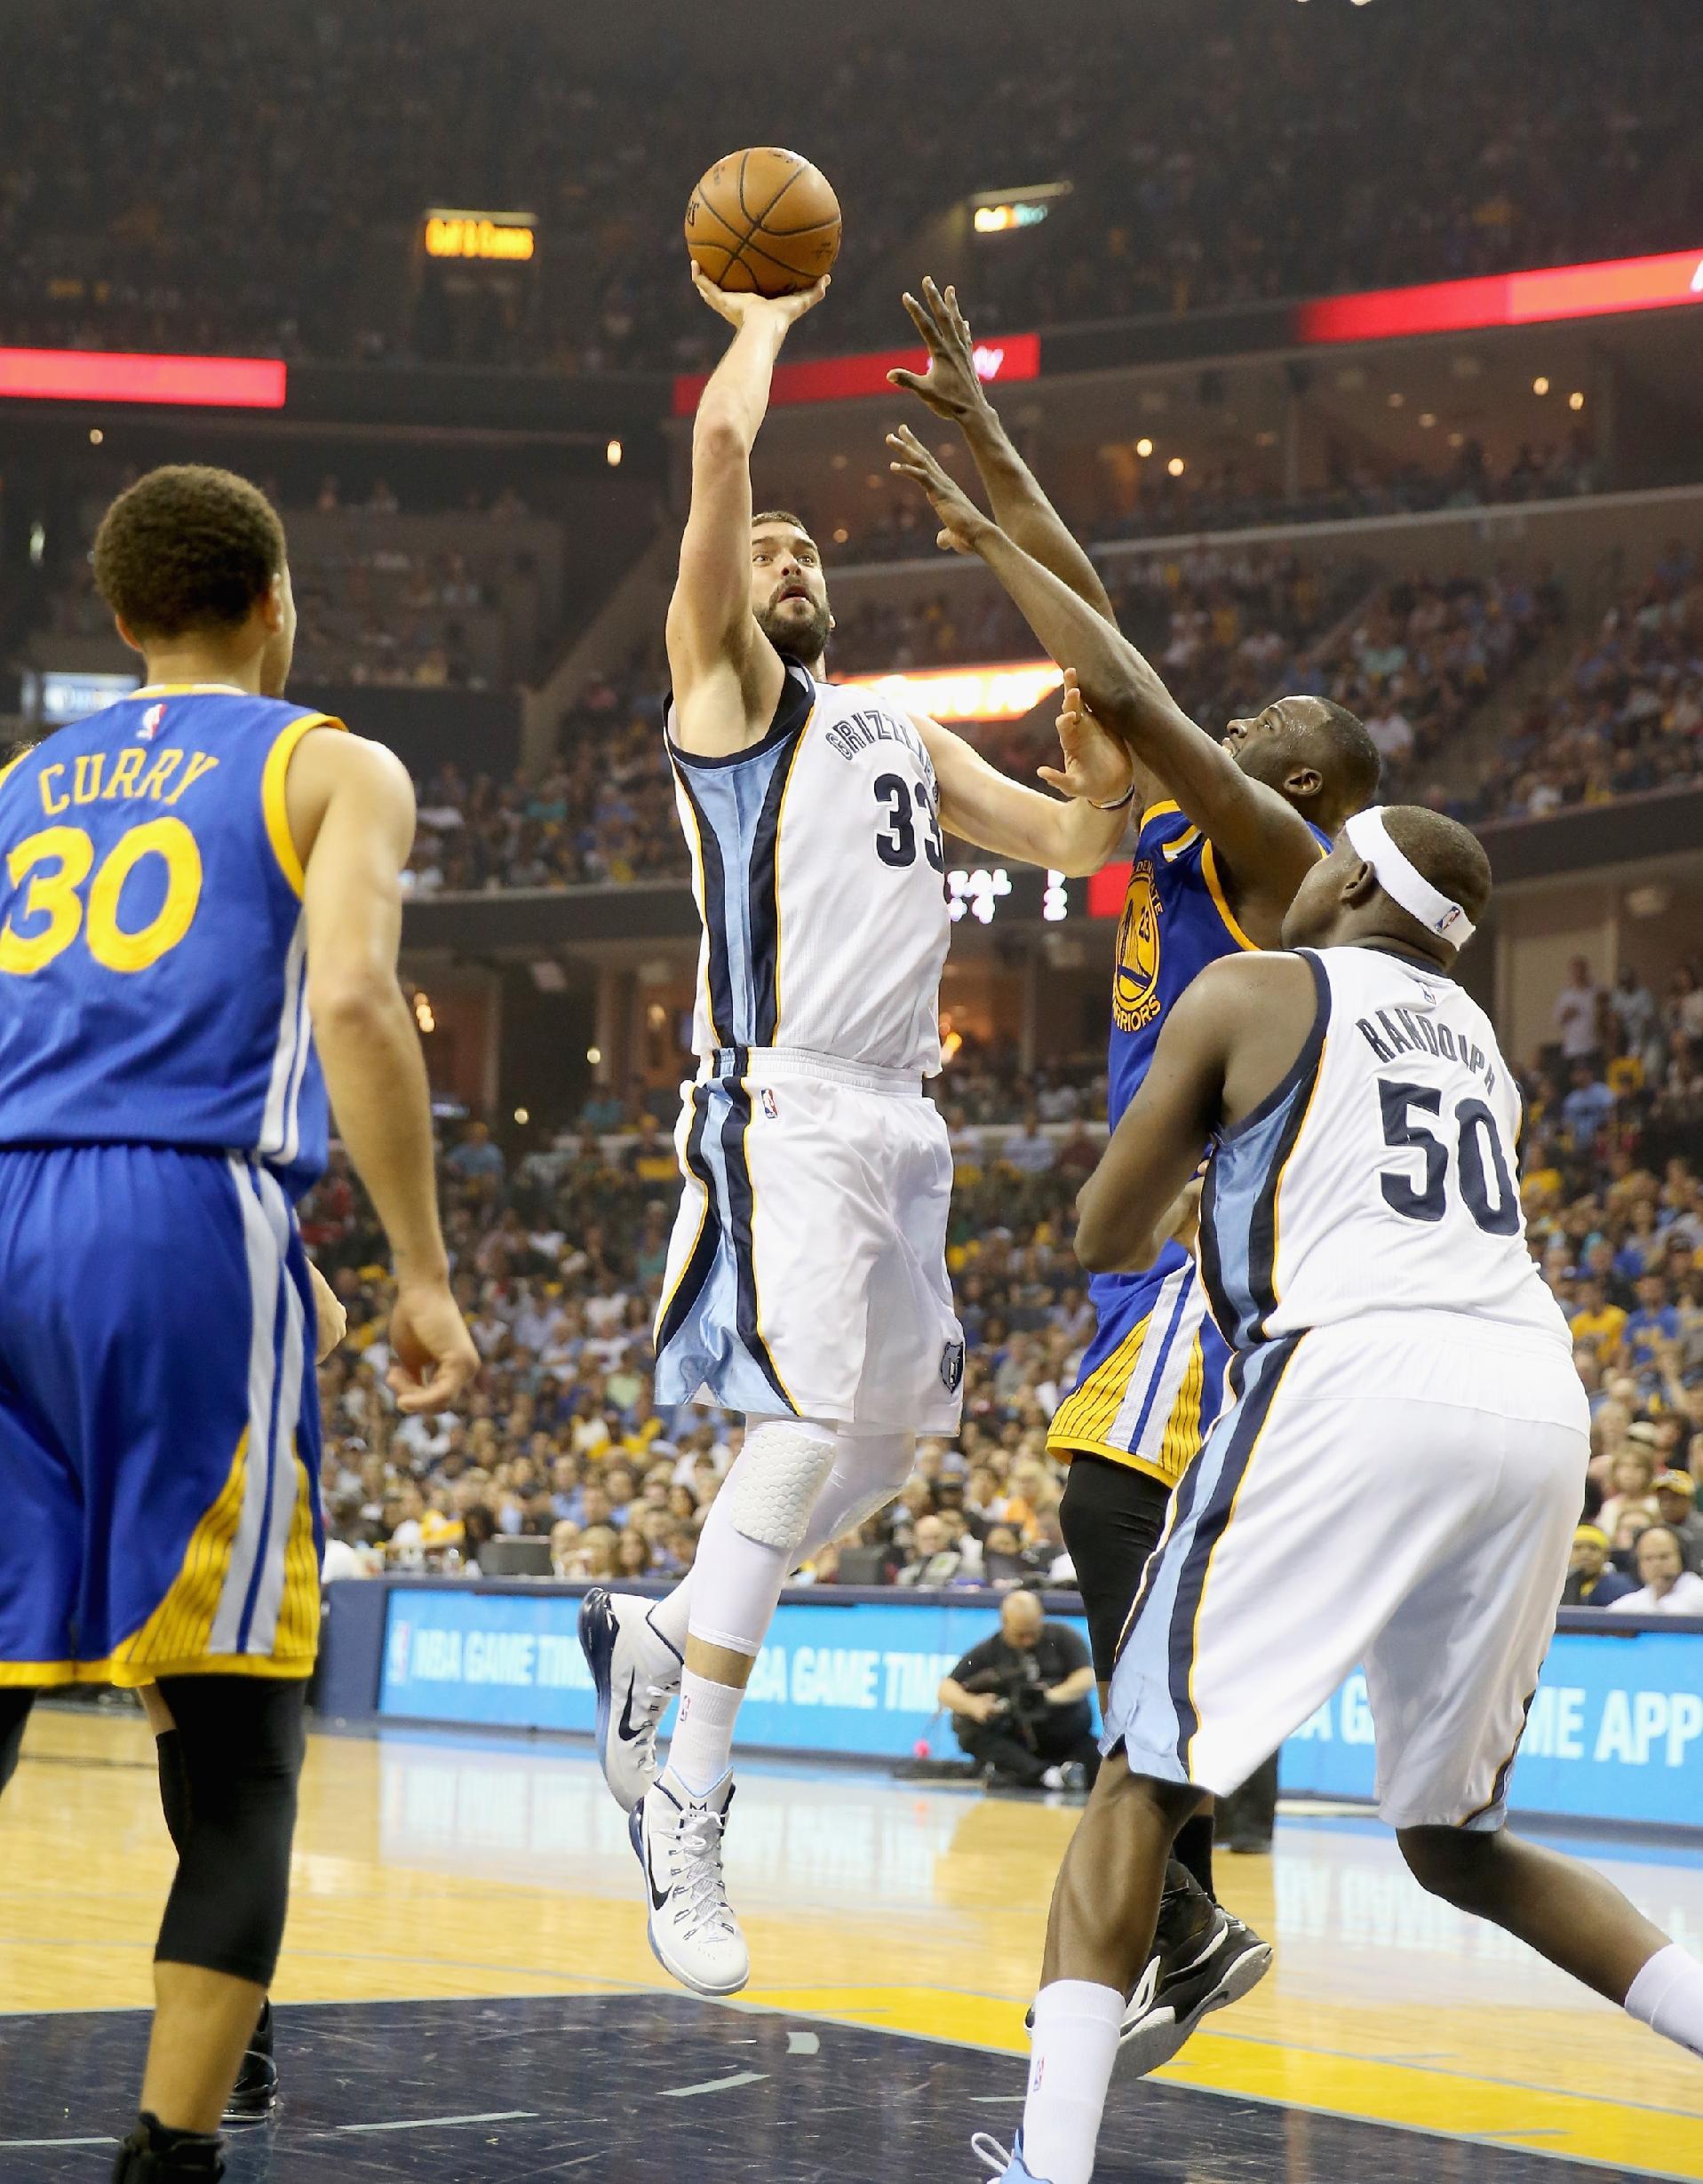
(1177,919)
(153,948)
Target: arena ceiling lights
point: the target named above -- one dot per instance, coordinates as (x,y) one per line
(191,381)
(1008,692)
(1003,211)
(1601,290)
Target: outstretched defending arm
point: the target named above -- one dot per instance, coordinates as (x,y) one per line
(351,807)
(727,675)
(953,389)
(1263,836)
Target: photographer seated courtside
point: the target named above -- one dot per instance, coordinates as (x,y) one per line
(1021,1702)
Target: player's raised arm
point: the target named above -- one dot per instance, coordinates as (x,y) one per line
(726,675)
(1265,839)
(351,807)
(953,389)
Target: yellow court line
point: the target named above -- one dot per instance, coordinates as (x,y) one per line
(1449,2103)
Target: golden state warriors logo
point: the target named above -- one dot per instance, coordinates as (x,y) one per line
(1135,982)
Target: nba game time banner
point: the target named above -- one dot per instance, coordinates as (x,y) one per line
(1616,1731)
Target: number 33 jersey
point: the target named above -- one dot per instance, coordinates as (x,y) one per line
(153,951)
(818,868)
(1382,1174)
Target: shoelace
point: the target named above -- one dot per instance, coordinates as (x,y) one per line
(695,1870)
(988,2150)
(656,1698)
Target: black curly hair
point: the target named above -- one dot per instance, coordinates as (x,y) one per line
(187,548)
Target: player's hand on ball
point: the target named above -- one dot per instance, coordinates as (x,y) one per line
(738,307)
(435,1357)
(1096,764)
(332,1320)
(963,525)
(949,386)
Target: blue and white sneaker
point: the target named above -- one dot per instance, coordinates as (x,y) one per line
(636,1672)
(1009,2168)
(677,1839)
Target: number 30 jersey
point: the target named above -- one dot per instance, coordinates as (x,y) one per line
(818,868)
(152,951)
(1381,1175)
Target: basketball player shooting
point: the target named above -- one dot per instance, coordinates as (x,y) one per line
(1362,1238)
(806,1281)
(1224,835)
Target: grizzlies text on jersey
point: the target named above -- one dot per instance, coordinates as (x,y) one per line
(1151,1380)
(161,1107)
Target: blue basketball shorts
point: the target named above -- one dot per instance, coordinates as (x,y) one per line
(1151,1381)
(159,1419)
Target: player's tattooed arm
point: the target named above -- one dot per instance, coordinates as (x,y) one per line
(1263,839)
(726,674)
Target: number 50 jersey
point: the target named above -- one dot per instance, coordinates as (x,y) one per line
(818,868)
(1382,1174)
(152,951)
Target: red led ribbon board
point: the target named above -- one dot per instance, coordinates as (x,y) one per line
(845,378)
(1508,299)
(193,382)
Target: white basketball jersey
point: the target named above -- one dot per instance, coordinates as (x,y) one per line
(1381,1175)
(818,868)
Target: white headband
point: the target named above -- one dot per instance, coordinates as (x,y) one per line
(1403,882)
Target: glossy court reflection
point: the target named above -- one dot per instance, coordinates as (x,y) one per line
(468,1906)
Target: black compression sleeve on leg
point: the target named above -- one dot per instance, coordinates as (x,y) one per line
(14,1712)
(1112,1515)
(1193,1849)
(241,1740)
(174,1787)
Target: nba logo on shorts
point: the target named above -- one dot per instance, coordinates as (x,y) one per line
(769,1107)
(951,1367)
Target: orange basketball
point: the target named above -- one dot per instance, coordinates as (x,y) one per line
(763,220)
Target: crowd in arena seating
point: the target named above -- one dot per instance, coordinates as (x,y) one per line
(1626,715)
(1231,629)
(559,1258)
(132,214)
(1226,498)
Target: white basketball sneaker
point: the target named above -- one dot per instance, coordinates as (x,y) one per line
(694,1934)
(636,1673)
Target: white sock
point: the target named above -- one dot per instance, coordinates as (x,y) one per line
(1073,2046)
(670,1617)
(701,1749)
(1667,1996)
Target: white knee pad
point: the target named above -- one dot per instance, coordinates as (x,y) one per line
(868,1470)
(781,1469)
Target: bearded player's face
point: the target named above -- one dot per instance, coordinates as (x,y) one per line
(788,595)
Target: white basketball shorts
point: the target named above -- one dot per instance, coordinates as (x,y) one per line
(1398,1491)
(806,1274)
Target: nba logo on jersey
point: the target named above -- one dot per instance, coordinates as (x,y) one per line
(150,726)
(770,1109)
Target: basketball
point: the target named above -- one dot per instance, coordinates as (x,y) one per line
(764,219)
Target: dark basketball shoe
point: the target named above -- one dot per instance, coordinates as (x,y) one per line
(255,2093)
(183,2158)
(1203,1958)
